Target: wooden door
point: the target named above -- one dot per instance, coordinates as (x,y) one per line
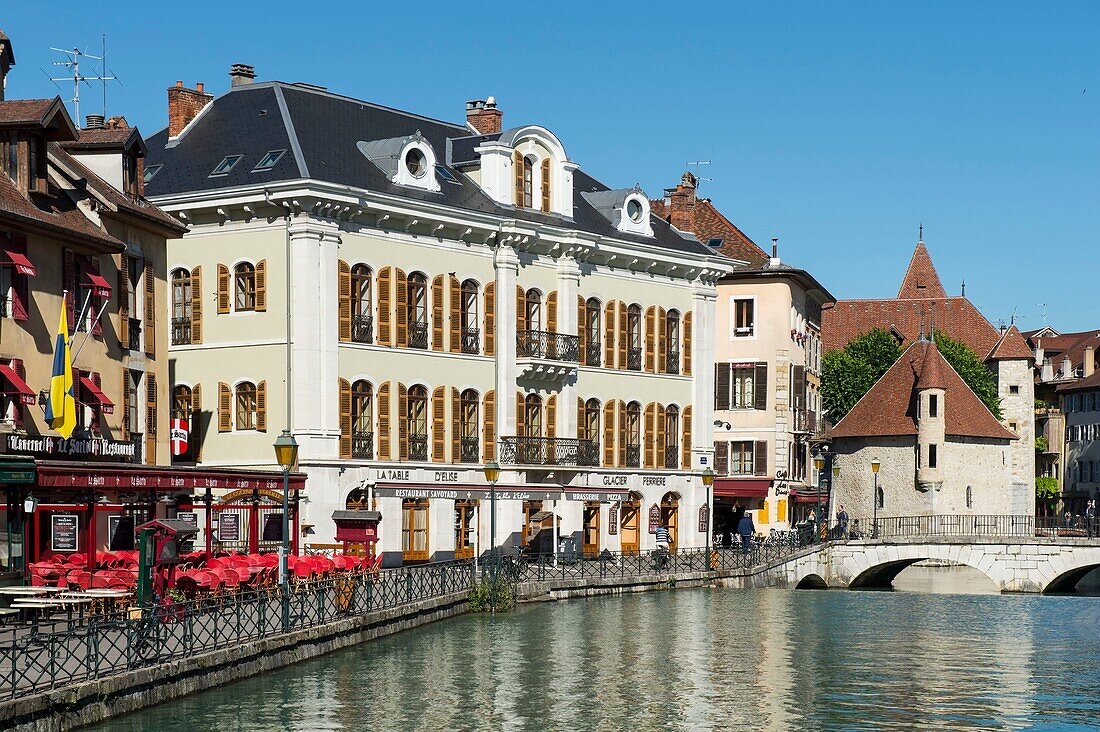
(628,526)
(591,536)
(414,530)
(670,510)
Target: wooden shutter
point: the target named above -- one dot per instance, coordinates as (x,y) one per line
(760,458)
(582,331)
(127,428)
(150,310)
(721,457)
(798,386)
(96,302)
(685,447)
(402,422)
(552,312)
(623,437)
(385,306)
(223,289)
(437,313)
(520,415)
(456,425)
(517,165)
(261,406)
(649,437)
(659,447)
(651,339)
(546,185)
(68,282)
(21,372)
(20,284)
(760,386)
(196,304)
(662,341)
(456,314)
(225,407)
(687,344)
(624,335)
(609,335)
(552,416)
(384,442)
(580,419)
(194,443)
(489,434)
(723,374)
(609,434)
(401,306)
(97,414)
(521,309)
(490,319)
(345,418)
(261,286)
(343,290)
(124,301)
(150,418)
(439,424)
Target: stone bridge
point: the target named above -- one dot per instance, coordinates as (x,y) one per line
(1013,564)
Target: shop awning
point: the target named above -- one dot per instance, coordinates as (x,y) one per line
(95,397)
(21,263)
(809,497)
(468,492)
(101,286)
(742,487)
(16,385)
(61,474)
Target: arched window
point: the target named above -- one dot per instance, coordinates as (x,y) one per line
(672,432)
(534,310)
(417,310)
(181,402)
(591,327)
(362,420)
(528,182)
(469,440)
(590,428)
(362,326)
(532,416)
(244,286)
(181,307)
(471,341)
(633,434)
(634,337)
(417,423)
(246,405)
(672,338)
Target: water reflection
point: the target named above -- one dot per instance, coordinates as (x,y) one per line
(696,659)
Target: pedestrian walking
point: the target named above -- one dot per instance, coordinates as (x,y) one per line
(1090,518)
(842,522)
(746,529)
(664,541)
(811,524)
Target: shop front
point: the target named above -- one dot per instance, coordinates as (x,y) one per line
(733,497)
(16,474)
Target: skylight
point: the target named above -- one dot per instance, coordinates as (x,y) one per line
(226,165)
(151,172)
(715,242)
(267,162)
(446,174)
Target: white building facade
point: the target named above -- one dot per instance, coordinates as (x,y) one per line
(413,299)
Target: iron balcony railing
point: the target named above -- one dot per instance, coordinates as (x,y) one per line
(418,334)
(549,451)
(633,456)
(672,456)
(634,358)
(593,354)
(3,307)
(362,445)
(805,421)
(418,447)
(469,449)
(471,340)
(362,329)
(551,346)
(135,334)
(181,331)
(672,362)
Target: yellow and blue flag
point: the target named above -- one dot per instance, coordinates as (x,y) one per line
(61,408)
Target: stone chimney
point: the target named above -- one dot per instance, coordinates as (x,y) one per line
(241,74)
(484,116)
(7,60)
(1047,373)
(184,105)
(1067,368)
(1090,360)
(681,203)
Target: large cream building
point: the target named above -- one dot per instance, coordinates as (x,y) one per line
(414,298)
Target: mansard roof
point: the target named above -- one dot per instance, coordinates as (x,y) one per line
(322,132)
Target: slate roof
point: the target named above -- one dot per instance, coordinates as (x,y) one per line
(323,131)
(889,408)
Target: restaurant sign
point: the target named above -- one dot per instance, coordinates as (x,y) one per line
(465,493)
(704,518)
(53,446)
(654,518)
(64,531)
(613,520)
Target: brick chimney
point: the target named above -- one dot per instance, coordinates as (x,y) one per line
(484,116)
(184,105)
(1090,360)
(241,74)
(681,203)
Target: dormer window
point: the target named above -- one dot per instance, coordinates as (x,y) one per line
(415,162)
(11,156)
(528,182)
(634,210)
(627,209)
(406,161)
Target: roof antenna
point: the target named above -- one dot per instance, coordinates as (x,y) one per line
(698,178)
(964,287)
(920,236)
(73,64)
(1043,305)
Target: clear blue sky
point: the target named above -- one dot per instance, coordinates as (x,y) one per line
(836,127)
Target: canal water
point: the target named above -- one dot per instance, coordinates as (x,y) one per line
(922,657)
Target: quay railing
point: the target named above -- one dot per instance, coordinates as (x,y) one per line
(985,526)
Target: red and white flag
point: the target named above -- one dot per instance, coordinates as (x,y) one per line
(179,435)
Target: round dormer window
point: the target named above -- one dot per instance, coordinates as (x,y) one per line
(634,210)
(415,162)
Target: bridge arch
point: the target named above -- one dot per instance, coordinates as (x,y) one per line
(1067,580)
(812,581)
(877,567)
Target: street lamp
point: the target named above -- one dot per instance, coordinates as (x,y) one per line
(286,454)
(492,474)
(819,465)
(875,465)
(708,483)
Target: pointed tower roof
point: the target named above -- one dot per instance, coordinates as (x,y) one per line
(921,279)
(1011,346)
(932,369)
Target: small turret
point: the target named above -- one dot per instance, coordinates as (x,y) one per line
(931,425)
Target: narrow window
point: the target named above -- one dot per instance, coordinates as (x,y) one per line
(471,340)
(743,391)
(244,279)
(534,310)
(528,182)
(590,429)
(933,405)
(469,441)
(633,434)
(593,353)
(362,321)
(969,497)
(362,420)
(417,423)
(932,456)
(532,415)
(672,431)
(417,310)
(181,307)
(246,405)
(672,337)
(744,322)
(634,337)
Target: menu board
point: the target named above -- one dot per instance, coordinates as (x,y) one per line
(613,520)
(120,529)
(229,526)
(273,527)
(189,516)
(64,532)
(654,518)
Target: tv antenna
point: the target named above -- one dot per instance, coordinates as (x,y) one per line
(699,163)
(1043,305)
(72,63)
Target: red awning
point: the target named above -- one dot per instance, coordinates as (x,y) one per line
(804,497)
(101,286)
(22,264)
(96,397)
(742,487)
(18,386)
(57,474)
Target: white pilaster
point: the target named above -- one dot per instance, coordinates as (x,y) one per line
(506,265)
(569,279)
(703,298)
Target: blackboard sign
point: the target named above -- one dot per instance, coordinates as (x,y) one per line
(120,529)
(613,520)
(64,532)
(189,516)
(273,527)
(229,526)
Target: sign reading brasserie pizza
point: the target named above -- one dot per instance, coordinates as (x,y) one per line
(53,446)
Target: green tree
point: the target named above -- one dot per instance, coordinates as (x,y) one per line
(973,371)
(848,373)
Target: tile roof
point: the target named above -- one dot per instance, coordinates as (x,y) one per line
(921,279)
(955,316)
(1088,382)
(707,222)
(889,408)
(55,212)
(1010,347)
(24,111)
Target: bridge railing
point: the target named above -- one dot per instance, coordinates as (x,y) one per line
(994,526)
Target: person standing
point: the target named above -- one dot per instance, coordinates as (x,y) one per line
(1090,518)
(664,541)
(746,529)
(842,522)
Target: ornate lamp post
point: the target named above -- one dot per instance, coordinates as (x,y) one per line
(819,466)
(708,483)
(875,464)
(492,474)
(286,454)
